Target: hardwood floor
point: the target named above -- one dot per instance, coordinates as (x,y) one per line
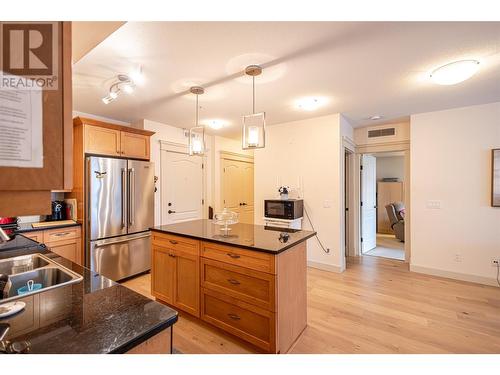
(388,246)
(375,306)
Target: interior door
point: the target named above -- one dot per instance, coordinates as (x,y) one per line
(181,187)
(231,185)
(369,203)
(247,208)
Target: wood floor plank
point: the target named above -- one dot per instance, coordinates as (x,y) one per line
(375,306)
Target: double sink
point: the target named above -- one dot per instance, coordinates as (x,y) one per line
(38,268)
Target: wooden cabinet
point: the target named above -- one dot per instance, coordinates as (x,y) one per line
(134,145)
(257,296)
(66,242)
(104,141)
(176,273)
(387,192)
(102,138)
(26,191)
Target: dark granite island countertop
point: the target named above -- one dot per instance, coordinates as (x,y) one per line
(93,316)
(247,236)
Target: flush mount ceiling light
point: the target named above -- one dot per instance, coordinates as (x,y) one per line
(197,132)
(254,125)
(310,103)
(122,82)
(375,117)
(454,72)
(215,124)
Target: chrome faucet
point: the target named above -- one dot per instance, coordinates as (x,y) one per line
(3,236)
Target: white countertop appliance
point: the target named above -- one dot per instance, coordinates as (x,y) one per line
(284,213)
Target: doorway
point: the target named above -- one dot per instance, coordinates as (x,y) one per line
(382,205)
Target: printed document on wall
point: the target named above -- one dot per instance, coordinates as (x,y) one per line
(21,134)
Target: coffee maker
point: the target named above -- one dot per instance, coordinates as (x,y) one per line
(58,211)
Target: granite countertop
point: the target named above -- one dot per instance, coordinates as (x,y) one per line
(95,315)
(248,236)
(26,227)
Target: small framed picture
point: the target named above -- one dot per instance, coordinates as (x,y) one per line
(495,175)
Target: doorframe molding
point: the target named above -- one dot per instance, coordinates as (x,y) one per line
(235,156)
(182,148)
(375,148)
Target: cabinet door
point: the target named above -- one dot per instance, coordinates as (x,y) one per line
(102,141)
(68,249)
(35,236)
(162,280)
(134,145)
(187,282)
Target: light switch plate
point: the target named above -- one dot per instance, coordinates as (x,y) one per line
(434,204)
(327,204)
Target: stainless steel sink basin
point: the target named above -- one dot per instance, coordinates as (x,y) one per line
(12,266)
(38,268)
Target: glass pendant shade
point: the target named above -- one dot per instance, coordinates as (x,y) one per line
(254,131)
(197,140)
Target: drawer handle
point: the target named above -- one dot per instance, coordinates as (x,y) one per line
(233,281)
(61,234)
(234,256)
(234,316)
(173,242)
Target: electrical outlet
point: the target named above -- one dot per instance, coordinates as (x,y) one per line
(495,262)
(458,258)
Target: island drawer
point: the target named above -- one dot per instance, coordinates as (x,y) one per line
(248,322)
(176,242)
(254,260)
(257,288)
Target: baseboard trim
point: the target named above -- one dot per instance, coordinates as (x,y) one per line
(324,266)
(454,275)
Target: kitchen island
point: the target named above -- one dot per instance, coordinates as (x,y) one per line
(92,316)
(249,281)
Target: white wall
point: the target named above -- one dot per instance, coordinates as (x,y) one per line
(451,163)
(306,154)
(390,166)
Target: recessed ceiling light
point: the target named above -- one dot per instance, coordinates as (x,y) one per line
(215,123)
(310,103)
(375,117)
(454,72)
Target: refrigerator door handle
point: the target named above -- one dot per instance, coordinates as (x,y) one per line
(131,195)
(121,240)
(124,182)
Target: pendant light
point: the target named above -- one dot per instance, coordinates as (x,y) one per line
(254,125)
(197,133)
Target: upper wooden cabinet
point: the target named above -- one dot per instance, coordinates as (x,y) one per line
(101,138)
(26,191)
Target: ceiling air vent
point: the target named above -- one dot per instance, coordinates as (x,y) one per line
(381,132)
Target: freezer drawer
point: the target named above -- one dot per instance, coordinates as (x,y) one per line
(121,257)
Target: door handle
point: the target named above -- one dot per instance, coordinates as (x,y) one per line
(124,183)
(131,194)
(234,316)
(111,242)
(171,212)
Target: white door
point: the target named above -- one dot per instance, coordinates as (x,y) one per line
(181,187)
(237,188)
(369,203)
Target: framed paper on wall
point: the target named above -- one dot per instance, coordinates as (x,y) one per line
(495,185)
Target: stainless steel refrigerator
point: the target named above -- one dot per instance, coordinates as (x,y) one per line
(120,198)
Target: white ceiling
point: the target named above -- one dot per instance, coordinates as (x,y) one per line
(362,68)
